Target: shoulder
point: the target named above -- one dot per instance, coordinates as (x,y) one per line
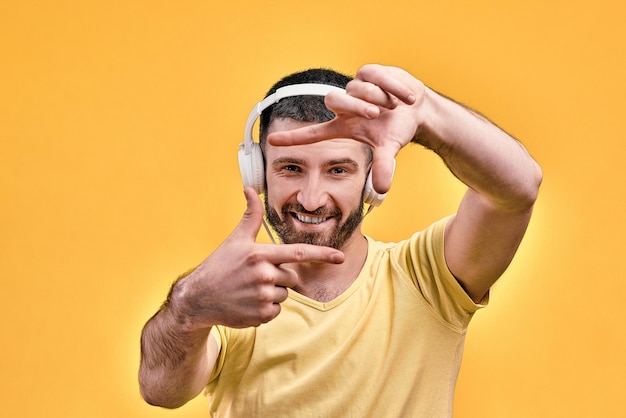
(427,240)
(420,263)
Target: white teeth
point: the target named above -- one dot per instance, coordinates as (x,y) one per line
(310,220)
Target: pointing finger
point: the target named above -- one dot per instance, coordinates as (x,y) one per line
(303,253)
(305,135)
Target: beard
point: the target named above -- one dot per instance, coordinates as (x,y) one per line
(285,225)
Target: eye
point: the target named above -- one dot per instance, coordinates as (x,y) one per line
(338,170)
(291,168)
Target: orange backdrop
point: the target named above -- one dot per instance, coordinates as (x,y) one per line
(119,125)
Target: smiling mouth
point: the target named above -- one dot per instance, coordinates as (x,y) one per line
(313,220)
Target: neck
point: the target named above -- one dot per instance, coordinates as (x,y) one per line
(324,282)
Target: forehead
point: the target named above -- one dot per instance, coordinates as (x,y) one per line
(339,148)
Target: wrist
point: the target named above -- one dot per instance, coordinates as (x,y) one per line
(440,120)
(184,307)
(426,116)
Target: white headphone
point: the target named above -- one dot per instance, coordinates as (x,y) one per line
(251,157)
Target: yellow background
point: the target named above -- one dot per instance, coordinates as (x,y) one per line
(119,125)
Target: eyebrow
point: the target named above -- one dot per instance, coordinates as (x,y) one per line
(342,161)
(287,160)
(330,163)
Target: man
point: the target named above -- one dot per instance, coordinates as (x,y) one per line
(331,323)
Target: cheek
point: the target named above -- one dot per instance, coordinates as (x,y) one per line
(276,197)
(349,202)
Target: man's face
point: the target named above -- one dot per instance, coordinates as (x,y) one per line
(315,191)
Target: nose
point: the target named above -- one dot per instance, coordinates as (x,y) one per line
(312,194)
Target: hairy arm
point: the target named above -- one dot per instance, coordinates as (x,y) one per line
(176,360)
(503,182)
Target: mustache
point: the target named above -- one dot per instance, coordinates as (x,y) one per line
(321,211)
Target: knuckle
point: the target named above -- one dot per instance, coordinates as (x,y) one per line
(372,73)
(284,294)
(265,276)
(264,295)
(291,277)
(299,254)
(268,312)
(255,256)
(332,100)
(368,68)
(371,91)
(352,84)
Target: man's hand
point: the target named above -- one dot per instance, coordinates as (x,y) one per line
(380,109)
(243,283)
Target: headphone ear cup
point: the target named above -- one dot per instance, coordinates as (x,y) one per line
(252,168)
(371,196)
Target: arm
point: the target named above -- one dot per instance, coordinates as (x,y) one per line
(387,108)
(503,182)
(176,362)
(240,285)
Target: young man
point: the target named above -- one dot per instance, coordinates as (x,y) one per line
(332,323)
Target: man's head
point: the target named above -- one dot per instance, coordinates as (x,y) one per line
(301,108)
(314,192)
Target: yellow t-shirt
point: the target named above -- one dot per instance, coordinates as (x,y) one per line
(389,346)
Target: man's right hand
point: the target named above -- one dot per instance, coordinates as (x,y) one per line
(243,282)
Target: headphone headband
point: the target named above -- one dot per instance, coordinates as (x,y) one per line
(306,89)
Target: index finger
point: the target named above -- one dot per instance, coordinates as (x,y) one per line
(305,135)
(303,253)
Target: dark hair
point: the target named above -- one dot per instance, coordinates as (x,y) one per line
(301,108)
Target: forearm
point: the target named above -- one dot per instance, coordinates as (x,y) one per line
(479,153)
(174,359)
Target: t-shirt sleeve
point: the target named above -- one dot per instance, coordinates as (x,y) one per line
(422,258)
(221,335)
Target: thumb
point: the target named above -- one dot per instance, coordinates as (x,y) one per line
(383,168)
(253,216)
